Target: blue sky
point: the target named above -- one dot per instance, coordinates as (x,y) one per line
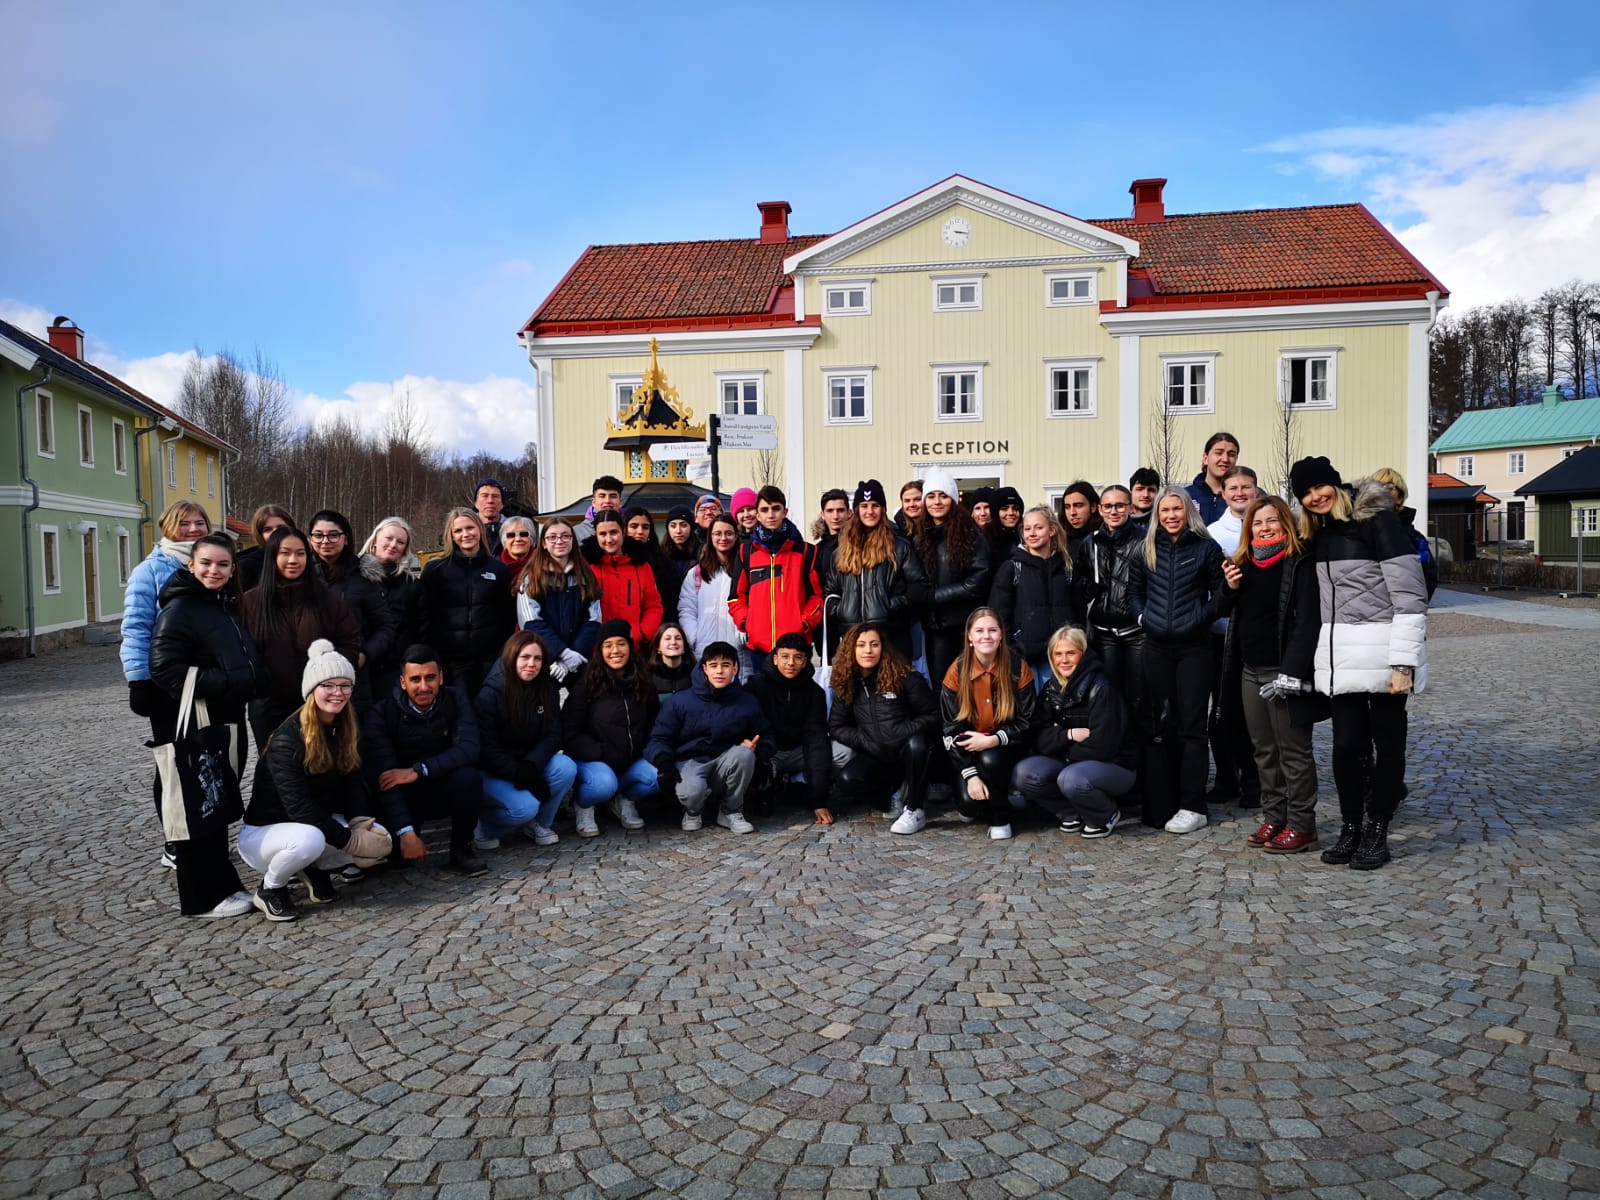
(380,194)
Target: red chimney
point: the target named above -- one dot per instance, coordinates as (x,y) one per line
(66,337)
(1148,208)
(774,220)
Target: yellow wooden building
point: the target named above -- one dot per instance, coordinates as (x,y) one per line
(973,330)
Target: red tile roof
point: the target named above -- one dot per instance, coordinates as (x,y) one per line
(1259,256)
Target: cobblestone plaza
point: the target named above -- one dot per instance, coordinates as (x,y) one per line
(833,1012)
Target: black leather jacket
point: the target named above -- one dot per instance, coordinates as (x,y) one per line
(870,722)
(200,628)
(1100,578)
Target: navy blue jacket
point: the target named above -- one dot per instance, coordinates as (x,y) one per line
(705,721)
(1178,599)
(562,618)
(1211,504)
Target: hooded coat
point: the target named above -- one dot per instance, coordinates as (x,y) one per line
(201,628)
(360,586)
(1088,701)
(704,722)
(775,588)
(608,723)
(141,604)
(879,724)
(402,596)
(503,743)
(797,710)
(627,587)
(1033,597)
(703,610)
(467,614)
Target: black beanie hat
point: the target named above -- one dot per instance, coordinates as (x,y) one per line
(680,512)
(870,489)
(1313,472)
(1007,497)
(616,627)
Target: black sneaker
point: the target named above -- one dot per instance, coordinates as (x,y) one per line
(350,873)
(275,903)
(467,863)
(1100,831)
(319,886)
(1072,825)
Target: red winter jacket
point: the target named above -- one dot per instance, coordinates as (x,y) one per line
(627,588)
(775,592)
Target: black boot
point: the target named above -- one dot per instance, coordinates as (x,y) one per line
(1344,849)
(1374,849)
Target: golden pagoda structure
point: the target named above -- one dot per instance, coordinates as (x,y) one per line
(655,414)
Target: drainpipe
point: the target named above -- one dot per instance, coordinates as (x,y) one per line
(1433,309)
(27,538)
(138,486)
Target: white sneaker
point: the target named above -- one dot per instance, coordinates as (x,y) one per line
(626,814)
(169,860)
(1186,822)
(895,809)
(540,835)
(1000,833)
(911,821)
(735,821)
(235,905)
(691,822)
(587,826)
(482,841)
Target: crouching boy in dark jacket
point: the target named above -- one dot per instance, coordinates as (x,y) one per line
(707,740)
(797,710)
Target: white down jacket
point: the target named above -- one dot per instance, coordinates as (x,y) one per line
(1373,598)
(703,610)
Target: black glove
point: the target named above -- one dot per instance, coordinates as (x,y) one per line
(530,778)
(145,697)
(667,777)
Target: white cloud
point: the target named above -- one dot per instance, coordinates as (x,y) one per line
(28,317)
(1497,202)
(495,413)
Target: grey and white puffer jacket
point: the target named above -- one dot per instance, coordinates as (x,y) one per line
(1373,598)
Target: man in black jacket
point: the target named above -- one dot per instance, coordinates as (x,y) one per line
(422,744)
(797,709)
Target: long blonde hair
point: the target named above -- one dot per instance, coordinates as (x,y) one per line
(1191,518)
(1006,682)
(318,759)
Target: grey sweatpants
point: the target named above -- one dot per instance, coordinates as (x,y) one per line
(734,768)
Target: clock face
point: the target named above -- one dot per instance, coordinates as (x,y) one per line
(957,231)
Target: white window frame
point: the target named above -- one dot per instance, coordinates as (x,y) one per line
(1516,462)
(974,281)
(85,445)
(124,557)
(1288,356)
(1051,366)
(194,473)
(957,369)
(1206,359)
(757,376)
(1051,278)
(1585,520)
(50,559)
(830,374)
(119,446)
(211,475)
(1466,465)
(44,424)
(843,287)
(172,466)
(622,393)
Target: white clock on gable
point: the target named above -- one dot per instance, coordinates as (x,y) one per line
(957,231)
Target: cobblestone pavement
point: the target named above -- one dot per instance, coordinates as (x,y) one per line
(838,1012)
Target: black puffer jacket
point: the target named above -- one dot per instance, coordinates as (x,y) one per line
(284,792)
(200,628)
(955,593)
(1100,573)
(1178,599)
(1089,701)
(504,744)
(671,680)
(361,588)
(797,709)
(608,723)
(871,722)
(1032,596)
(888,592)
(468,614)
(402,595)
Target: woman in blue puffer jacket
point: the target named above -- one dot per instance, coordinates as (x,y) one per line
(1172,592)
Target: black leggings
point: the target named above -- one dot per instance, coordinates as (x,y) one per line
(1177,676)
(1364,723)
(994,768)
(868,778)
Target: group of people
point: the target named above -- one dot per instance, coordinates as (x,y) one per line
(1116,651)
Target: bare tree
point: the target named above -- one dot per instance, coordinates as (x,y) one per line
(1166,450)
(768,469)
(1287,439)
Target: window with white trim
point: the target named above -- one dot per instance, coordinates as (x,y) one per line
(622,394)
(958,392)
(1071,387)
(741,395)
(1308,378)
(1585,521)
(1516,462)
(211,475)
(847,298)
(44,429)
(85,436)
(50,558)
(957,293)
(1466,465)
(849,395)
(194,473)
(124,557)
(119,446)
(1066,289)
(1189,382)
(172,466)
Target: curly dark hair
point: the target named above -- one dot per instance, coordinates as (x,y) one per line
(960,534)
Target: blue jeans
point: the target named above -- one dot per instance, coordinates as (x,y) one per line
(597,783)
(507,807)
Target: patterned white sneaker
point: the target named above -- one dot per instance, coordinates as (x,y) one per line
(735,822)
(587,825)
(911,821)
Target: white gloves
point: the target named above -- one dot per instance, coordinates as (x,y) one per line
(1284,687)
(557,671)
(572,660)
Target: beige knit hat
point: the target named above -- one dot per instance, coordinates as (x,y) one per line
(324,663)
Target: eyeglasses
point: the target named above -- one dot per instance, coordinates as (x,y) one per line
(558,537)
(518,534)
(338,689)
(1112,507)
(326,537)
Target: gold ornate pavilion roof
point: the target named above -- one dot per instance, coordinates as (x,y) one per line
(655,414)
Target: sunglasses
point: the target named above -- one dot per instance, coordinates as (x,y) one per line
(519,535)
